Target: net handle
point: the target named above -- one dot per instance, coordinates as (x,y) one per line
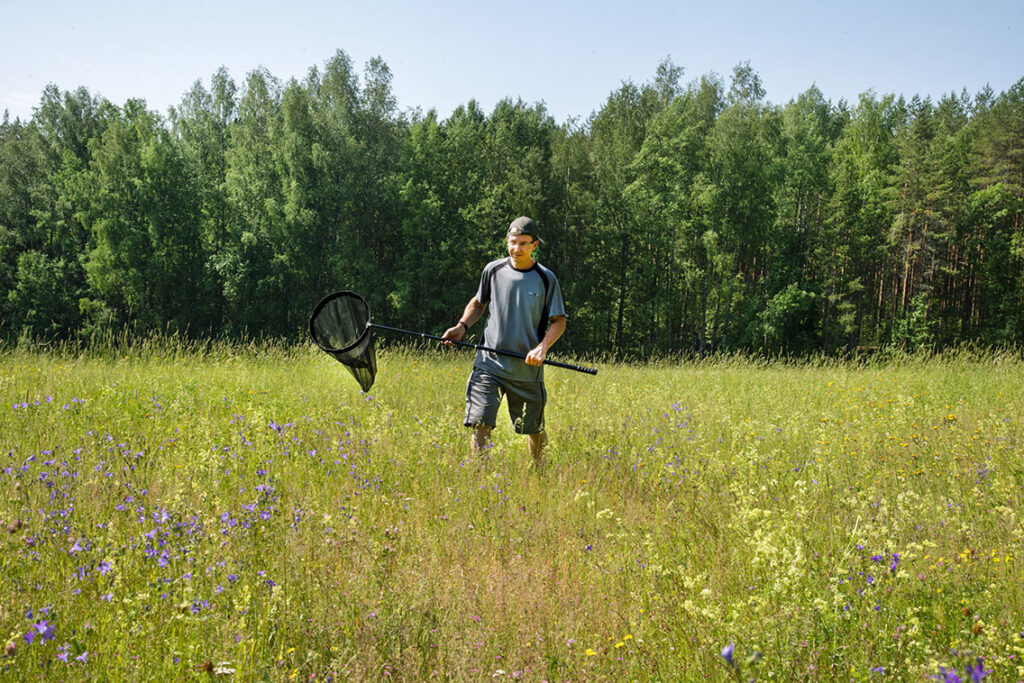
(513,354)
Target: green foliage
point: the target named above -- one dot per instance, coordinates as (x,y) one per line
(39,305)
(912,332)
(788,323)
(681,218)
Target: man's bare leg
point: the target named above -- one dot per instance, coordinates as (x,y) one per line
(481,439)
(538,445)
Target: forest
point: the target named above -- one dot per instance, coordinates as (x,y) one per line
(684,216)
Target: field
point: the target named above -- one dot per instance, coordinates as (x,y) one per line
(181,511)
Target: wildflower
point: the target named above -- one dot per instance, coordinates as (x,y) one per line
(81,658)
(946,676)
(44,629)
(105,567)
(727,654)
(978,671)
(62,655)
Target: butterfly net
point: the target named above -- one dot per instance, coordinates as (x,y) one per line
(339,326)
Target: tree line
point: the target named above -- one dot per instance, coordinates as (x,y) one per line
(680,217)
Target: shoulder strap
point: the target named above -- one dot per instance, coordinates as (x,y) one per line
(542,326)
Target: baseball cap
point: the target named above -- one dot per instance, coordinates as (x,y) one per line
(524,226)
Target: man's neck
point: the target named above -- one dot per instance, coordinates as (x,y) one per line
(530,264)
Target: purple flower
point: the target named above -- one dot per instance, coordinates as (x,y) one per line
(44,629)
(105,567)
(946,676)
(978,671)
(727,653)
(62,655)
(895,562)
(81,657)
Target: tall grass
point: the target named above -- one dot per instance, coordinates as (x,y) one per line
(244,512)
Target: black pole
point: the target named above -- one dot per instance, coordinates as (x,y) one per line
(513,354)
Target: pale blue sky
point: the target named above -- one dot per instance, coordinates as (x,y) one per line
(570,55)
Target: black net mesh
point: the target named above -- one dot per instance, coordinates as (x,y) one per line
(339,327)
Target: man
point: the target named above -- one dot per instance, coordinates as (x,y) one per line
(527,315)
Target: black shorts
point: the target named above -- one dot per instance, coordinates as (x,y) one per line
(526,401)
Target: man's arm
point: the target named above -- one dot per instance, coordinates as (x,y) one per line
(474,309)
(539,352)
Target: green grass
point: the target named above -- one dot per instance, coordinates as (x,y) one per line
(181,511)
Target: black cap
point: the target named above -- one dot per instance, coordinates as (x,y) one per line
(524,226)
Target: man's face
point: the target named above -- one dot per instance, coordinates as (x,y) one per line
(520,249)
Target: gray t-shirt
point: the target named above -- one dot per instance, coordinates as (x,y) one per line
(520,303)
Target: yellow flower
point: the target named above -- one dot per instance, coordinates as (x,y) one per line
(591,653)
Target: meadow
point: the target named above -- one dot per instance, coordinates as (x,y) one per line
(180,511)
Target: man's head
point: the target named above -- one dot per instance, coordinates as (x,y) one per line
(522,240)
(524,226)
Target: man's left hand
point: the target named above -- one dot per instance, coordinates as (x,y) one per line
(536,356)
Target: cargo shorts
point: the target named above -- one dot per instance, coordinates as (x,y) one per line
(526,401)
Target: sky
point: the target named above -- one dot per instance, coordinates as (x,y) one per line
(570,55)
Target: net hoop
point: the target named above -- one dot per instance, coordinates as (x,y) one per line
(321,305)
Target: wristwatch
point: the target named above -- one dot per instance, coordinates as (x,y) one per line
(464,325)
